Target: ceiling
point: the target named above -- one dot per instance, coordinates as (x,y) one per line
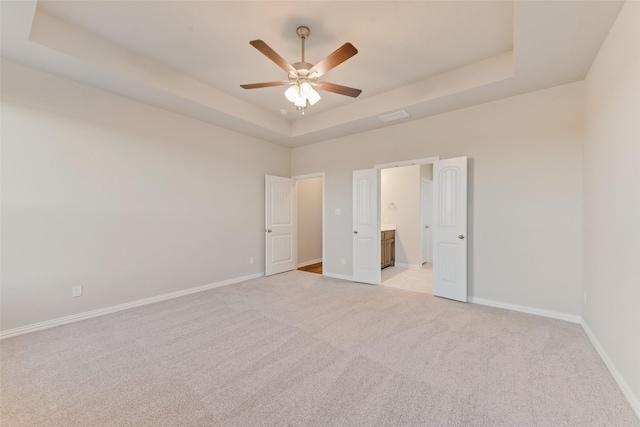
(424,57)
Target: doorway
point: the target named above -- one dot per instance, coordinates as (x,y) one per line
(310,207)
(449,225)
(405,212)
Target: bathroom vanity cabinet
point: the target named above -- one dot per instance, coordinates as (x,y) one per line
(388,251)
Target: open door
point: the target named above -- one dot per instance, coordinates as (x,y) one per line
(366,227)
(280,225)
(450,229)
(426,200)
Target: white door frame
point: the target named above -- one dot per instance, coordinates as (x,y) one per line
(306,176)
(423,161)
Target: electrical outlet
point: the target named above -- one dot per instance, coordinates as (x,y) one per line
(252,260)
(584,297)
(76,291)
(344,261)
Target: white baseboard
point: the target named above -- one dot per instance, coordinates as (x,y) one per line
(409,266)
(337,276)
(633,400)
(115,308)
(304,264)
(530,310)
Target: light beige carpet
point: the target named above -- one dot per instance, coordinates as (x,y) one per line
(299,349)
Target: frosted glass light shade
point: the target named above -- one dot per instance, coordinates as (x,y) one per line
(292,93)
(305,89)
(313,97)
(299,94)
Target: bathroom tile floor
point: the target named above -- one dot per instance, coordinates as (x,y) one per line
(409,279)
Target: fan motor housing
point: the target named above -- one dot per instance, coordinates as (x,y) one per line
(302,66)
(302,72)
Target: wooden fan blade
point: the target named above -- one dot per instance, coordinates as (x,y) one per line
(341,54)
(342,90)
(265,84)
(272,55)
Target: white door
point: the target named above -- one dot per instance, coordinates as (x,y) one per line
(450,229)
(366,227)
(280,225)
(426,200)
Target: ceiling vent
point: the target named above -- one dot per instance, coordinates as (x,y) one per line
(394,116)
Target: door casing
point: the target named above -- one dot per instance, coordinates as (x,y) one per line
(423,161)
(307,176)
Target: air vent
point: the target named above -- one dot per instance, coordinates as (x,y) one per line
(394,116)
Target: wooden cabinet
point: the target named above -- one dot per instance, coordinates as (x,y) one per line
(388,251)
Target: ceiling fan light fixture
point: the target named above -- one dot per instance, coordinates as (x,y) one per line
(306,89)
(303,76)
(292,93)
(313,97)
(299,94)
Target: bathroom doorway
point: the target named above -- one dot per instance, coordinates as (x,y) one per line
(405,211)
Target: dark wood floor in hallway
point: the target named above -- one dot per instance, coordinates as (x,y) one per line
(313,268)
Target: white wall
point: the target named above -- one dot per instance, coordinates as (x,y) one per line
(524,191)
(309,220)
(128,200)
(611,208)
(401,186)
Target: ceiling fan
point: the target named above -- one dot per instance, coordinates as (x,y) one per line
(303,76)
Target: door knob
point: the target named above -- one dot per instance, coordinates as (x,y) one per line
(426,226)
(461,236)
(269,231)
(355,231)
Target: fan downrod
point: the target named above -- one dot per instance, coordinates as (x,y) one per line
(303,32)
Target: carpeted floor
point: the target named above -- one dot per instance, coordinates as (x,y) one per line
(299,349)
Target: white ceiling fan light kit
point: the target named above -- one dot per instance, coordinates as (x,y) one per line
(303,76)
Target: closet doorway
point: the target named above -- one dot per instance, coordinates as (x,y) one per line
(310,222)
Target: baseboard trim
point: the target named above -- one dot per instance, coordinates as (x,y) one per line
(633,400)
(304,264)
(120,307)
(409,266)
(338,276)
(529,310)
